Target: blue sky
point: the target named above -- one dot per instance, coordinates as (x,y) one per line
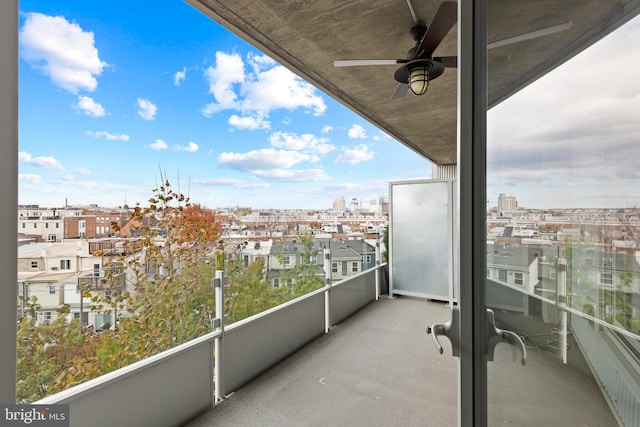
(112,93)
(109,99)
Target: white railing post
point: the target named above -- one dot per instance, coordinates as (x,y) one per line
(377,273)
(218,326)
(562,305)
(327,292)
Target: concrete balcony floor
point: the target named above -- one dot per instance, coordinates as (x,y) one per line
(380,368)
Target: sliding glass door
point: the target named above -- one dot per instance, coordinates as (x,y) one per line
(561,280)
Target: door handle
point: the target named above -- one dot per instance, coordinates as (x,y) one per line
(497,335)
(449,330)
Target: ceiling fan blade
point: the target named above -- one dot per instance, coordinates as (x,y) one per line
(401,90)
(361,62)
(444,19)
(447,61)
(531,35)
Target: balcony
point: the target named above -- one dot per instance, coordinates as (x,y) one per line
(90,282)
(374,366)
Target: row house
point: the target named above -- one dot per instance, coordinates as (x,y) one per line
(599,283)
(44,223)
(94,225)
(346,258)
(71,274)
(287,255)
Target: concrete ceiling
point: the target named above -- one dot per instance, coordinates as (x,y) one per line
(308,35)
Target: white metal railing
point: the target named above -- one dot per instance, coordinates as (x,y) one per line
(617,377)
(176,385)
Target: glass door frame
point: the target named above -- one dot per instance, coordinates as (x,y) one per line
(472,119)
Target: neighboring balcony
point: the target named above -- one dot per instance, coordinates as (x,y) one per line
(102,281)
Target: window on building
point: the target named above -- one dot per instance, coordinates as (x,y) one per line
(354,267)
(518,278)
(34,264)
(286,261)
(52,289)
(606,278)
(35,225)
(24,225)
(502,275)
(334,267)
(65,264)
(57,225)
(367,259)
(276,283)
(344,268)
(46,225)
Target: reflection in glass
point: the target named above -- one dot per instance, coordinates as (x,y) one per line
(563,225)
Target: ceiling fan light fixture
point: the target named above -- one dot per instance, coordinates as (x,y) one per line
(419,79)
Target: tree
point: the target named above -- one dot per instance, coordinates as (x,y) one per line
(169,301)
(172,300)
(246,292)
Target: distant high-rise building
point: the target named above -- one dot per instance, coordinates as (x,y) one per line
(339,204)
(355,204)
(507,203)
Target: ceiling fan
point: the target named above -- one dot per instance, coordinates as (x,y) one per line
(420,66)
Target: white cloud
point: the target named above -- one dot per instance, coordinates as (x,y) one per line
(292,175)
(159,145)
(326,129)
(358,154)
(108,135)
(273,165)
(267,86)
(61,50)
(147,109)
(68,178)
(83,171)
(30,178)
(179,76)
(229,182)
(191,147)
(89,107)
(229,70)
(249,122)
(307,143)
(266,158)
(40,161)
(561,115)
(357,132)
